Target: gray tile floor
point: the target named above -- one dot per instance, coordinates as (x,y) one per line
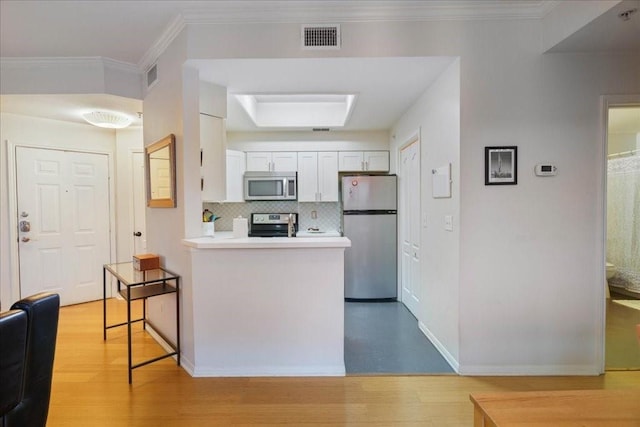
(383,337)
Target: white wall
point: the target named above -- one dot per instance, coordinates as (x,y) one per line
(530,295)
(436,116)
(37,132)
(532,273)
(163,115)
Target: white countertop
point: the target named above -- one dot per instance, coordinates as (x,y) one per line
(225,240)
(323,233)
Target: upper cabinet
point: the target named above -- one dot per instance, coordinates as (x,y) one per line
(236,161)
(363,161)
(212,158)
(213,143)
(318,176)
(277,161)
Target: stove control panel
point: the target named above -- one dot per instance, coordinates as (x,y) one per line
(272,218)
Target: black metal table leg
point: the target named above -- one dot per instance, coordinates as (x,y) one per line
(129,334)
(104,304)
(178,320)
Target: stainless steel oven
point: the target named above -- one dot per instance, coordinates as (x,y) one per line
(270,186)
(273,224)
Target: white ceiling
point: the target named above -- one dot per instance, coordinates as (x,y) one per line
(607,33)
(382,96)
(79,28)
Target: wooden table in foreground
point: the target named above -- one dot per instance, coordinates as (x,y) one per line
(558,408)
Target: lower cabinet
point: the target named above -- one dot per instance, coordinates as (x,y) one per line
(318,176)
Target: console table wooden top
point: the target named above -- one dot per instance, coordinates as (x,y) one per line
(558,408)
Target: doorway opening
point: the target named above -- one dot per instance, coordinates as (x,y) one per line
(622,346)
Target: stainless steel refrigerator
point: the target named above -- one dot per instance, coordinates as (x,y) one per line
(369,206)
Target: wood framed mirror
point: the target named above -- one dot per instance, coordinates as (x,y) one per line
(160,163)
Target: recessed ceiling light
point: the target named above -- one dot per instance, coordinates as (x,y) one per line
(298,110)
(107,119)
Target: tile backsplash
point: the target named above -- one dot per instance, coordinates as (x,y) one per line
(327,214)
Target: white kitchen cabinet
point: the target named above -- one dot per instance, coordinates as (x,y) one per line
(236,161)
(318,176)
(277,161)
(212,158)
(363,161)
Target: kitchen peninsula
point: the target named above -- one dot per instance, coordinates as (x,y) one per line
(267,306)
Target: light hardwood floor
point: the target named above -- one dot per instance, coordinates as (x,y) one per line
(90,388)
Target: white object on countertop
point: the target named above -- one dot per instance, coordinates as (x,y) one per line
(240,228)
(208,229)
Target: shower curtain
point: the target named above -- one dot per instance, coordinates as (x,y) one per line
(623,221)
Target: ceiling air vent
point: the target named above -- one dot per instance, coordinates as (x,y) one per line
(152,76)
(321,36)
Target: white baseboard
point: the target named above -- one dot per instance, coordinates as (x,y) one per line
(272,371)
(530,370)
(440,347)
(165,345)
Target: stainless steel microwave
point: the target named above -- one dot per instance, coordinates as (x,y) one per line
(270,186)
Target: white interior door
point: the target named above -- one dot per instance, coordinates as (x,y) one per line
(139,204)
(410,226)
(63,217)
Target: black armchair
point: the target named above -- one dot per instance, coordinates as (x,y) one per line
(41,312)
(13,349)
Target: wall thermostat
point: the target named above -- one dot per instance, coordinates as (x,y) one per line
(546,169)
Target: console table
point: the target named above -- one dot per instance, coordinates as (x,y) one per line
(134,285)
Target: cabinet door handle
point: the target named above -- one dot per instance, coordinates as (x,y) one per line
(366,166)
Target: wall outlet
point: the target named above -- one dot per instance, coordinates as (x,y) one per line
(314,215)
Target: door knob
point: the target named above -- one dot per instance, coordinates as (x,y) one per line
(137,233)
(25,226)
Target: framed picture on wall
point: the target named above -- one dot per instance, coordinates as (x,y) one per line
(500,165)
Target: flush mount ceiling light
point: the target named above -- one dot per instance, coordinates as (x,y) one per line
(107,119)
(298,110)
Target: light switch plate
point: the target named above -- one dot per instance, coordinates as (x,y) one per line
(448,222)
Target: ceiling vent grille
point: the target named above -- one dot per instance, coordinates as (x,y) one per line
(321,36)
(152,76)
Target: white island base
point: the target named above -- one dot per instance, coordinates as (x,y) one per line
(267,306)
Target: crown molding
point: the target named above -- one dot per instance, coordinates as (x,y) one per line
(172,31)
(366,11)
